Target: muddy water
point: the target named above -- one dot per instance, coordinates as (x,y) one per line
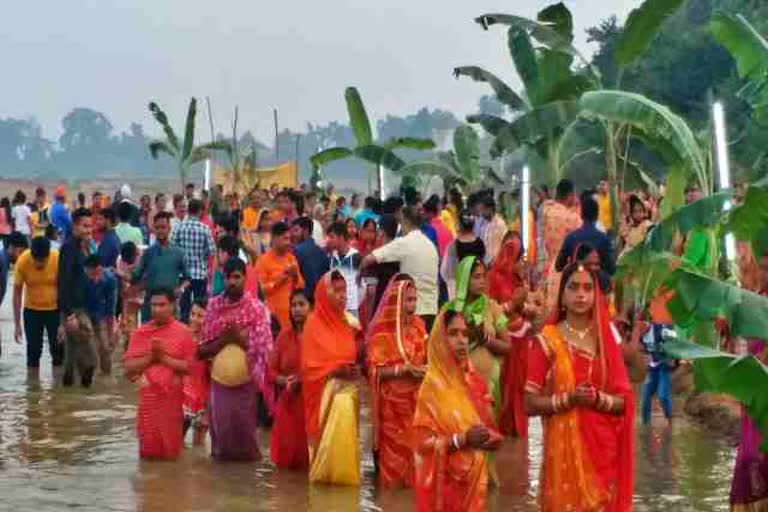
(70,449)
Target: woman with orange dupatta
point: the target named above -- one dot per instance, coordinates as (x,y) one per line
(507,287)
(396,365)
(578,383)
(289,437)
(453,425)
(328,375)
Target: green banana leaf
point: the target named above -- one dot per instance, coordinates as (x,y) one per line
(538,124)
(329,155)
(158,146)
(379,155)
(466,144)
(429,168)
(494,125)
(559,19)
(748,220)
(162,119)
(504,93)
(358,118)
(409,143)
(744,378)
(706,212)
(641,28)
(189,130)
(652,122)
(750,50)
(204,151)
(524,57)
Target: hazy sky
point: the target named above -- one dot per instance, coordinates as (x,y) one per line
(116,55)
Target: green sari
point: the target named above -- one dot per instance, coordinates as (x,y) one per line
(483,312)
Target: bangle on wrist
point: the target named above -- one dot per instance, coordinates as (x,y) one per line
(397,370)
(456,442)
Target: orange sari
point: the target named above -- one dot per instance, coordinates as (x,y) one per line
(391,342)
(452,399)
(329,342)
(588,454)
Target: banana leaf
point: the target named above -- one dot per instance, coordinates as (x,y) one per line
(559,19)
(674,197)
(158,146)
(329,155)
(409,143)
(706,212)
(750,50)
(744,378)
(358,118)
(429,168)
(161,118)
(504,93)
(641,28)
(379,155)
(189,131)
(524,57)
(466,143)
(749,220)
(490,123)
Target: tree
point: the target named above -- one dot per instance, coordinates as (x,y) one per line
(381,155)
(184,152)
(85,127)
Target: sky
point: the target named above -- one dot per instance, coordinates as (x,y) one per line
(296,55)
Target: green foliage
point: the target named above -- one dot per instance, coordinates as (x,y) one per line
(358,117)
(504,93)
(641,28)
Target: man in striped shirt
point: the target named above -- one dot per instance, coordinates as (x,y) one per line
(196,243)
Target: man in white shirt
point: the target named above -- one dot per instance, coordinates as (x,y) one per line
(345,259)
(418,258)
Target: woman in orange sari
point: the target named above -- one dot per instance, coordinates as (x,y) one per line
(289,437)
(507,287)
(452,424)
(578,383)
(396,358)
(328,375)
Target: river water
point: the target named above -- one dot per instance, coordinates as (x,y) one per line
(70,449)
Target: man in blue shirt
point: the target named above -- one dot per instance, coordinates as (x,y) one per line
(100,305)
(109,248)
(588,234)
(367,212)
(59,214)
(313,261)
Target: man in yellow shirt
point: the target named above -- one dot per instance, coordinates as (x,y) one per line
(251,213)
(604,203)
(35,278)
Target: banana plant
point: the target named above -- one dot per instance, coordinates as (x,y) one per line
(184,152)
(381,155)
(242,173)
(459,167)
(548,102)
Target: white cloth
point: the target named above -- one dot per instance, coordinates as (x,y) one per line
(417,256)
(349,266)
(21,215)
(317,233)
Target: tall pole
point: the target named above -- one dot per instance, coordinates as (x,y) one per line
(207,177)
(277,138)
(380,173)
(723,168)
(525,210)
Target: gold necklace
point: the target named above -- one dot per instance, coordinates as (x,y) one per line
(579,334)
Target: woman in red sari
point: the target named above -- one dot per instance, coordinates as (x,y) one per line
(507,287)
(367,238)
(196,383)
(158,355)
(289,437)
(452,424)
(328,374)
(396,359)
(578,383)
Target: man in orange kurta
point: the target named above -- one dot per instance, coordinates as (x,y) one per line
(278,274)
(559,218)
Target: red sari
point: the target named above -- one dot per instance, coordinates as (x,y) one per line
(393,342)
(451,399)
(588,454)
(503,285)
(289,437)
(160,416)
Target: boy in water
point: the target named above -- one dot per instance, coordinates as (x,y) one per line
(100,306)
(196,386)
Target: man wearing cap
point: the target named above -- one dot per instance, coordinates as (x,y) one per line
(126,197)
(59,214)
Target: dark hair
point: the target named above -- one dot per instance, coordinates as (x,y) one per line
(20,197)
(454,196)
(92,261)
(168,293)
(96,194)
(366,222)
(370,202)
(568,271)
(466,221)
(412,216)
(449,315)
(51,233)
(124,211)
(39,192)
(432,203)
(489,202)
(388,225)
(304,223)
(564,189)
(17,240)
(583,250)
(340,201)
(200,302)
(81,213)
(167,216)
(195,206)
(350,219)
(189,185)
(229,244)
(128,252)
(81,199)
(635,201)
(40,248)
(234,265)
(589,210)
(279,229)
(339,229)
(109,213)
(178,199)
(392,204)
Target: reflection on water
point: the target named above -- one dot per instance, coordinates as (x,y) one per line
(70,449)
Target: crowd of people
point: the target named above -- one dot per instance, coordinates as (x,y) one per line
(277,310)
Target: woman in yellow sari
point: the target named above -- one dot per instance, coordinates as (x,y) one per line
(578,383)
(453,428)
(328,375)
